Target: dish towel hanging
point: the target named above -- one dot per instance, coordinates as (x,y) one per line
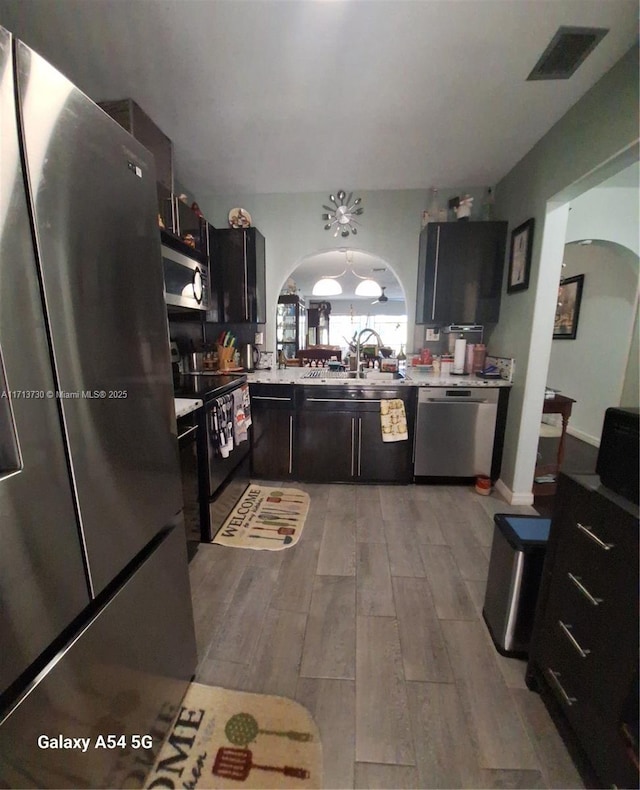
(393,421)
(221,424)
(242,414)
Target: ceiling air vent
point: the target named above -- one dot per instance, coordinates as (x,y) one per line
(568,48)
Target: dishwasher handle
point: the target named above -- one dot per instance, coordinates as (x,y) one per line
(456,401)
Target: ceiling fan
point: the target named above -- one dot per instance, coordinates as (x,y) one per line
(383,297)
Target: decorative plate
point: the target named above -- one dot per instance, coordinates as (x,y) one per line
(239,218)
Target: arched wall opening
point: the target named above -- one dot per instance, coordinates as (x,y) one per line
(348,312)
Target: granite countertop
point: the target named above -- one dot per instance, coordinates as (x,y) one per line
(414,378)
(186,405)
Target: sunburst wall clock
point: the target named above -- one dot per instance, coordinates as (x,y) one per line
(342,217)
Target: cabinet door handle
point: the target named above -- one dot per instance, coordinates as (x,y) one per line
(583,590)
(588,532)
(565,629)
(435,275)
(174,216)
(353,443)
(343,400)
(359,443)
(553,676)
(290,443)
(269,397)
(246,276)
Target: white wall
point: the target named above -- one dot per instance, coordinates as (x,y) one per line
(609,213)
(591,368)
(599,133)
(364,307)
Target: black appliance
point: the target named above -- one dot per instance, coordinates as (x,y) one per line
(221,479)
(618,456)
(190,459)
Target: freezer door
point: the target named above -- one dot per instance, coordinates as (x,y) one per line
(124,675)
(42,579)
(93,189)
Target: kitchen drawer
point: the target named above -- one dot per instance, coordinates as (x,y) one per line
(273,396)
(598,734)
(586,595)
(348,398)
(590,586)
(592,638)
(561,655)
(597,543)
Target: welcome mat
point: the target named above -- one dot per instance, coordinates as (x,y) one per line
(224,738)
(265,518)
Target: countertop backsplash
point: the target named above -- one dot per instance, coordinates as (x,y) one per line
(506,366)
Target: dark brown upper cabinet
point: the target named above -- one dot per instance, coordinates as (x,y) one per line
(237,270)
(460,267)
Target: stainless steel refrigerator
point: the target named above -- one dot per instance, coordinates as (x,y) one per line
(96,626)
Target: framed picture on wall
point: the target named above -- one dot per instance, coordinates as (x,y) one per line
(520,257)
(565,326)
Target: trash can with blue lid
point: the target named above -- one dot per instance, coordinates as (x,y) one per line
(515,570)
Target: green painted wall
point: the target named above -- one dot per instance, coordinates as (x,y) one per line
(293,229)
(593,134)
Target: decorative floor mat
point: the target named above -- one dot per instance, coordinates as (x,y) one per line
(265,518)
(224,738)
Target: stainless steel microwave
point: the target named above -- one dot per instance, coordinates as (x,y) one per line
(186,280)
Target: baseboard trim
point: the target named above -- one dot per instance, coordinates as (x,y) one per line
(594,441)
(513,497)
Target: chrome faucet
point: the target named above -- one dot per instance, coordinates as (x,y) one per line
(366,330)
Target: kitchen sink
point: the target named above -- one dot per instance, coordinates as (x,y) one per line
(373,375)
(382,375)
(323,373)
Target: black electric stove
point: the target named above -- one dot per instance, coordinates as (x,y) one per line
(221,479)
(206,386)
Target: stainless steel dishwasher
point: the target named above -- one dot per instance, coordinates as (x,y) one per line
(455,429)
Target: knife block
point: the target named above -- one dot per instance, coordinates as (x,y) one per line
(225,357)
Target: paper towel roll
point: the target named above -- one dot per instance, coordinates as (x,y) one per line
(458,356)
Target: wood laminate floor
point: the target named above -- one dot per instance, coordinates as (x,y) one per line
(373,622)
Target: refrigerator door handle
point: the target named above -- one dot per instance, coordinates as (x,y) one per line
(10,457)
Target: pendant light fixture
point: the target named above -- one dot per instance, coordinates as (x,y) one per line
(368,288)
(326,286)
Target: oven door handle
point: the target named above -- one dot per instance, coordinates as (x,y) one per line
(193,429)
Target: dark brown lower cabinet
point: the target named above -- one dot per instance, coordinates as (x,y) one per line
(339,438)
(584,650)
(273,436)
(378,461)
(325,445)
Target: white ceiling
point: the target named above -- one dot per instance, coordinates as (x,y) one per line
(306,95)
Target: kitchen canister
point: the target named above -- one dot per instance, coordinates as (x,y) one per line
(479,357)
(468,362)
